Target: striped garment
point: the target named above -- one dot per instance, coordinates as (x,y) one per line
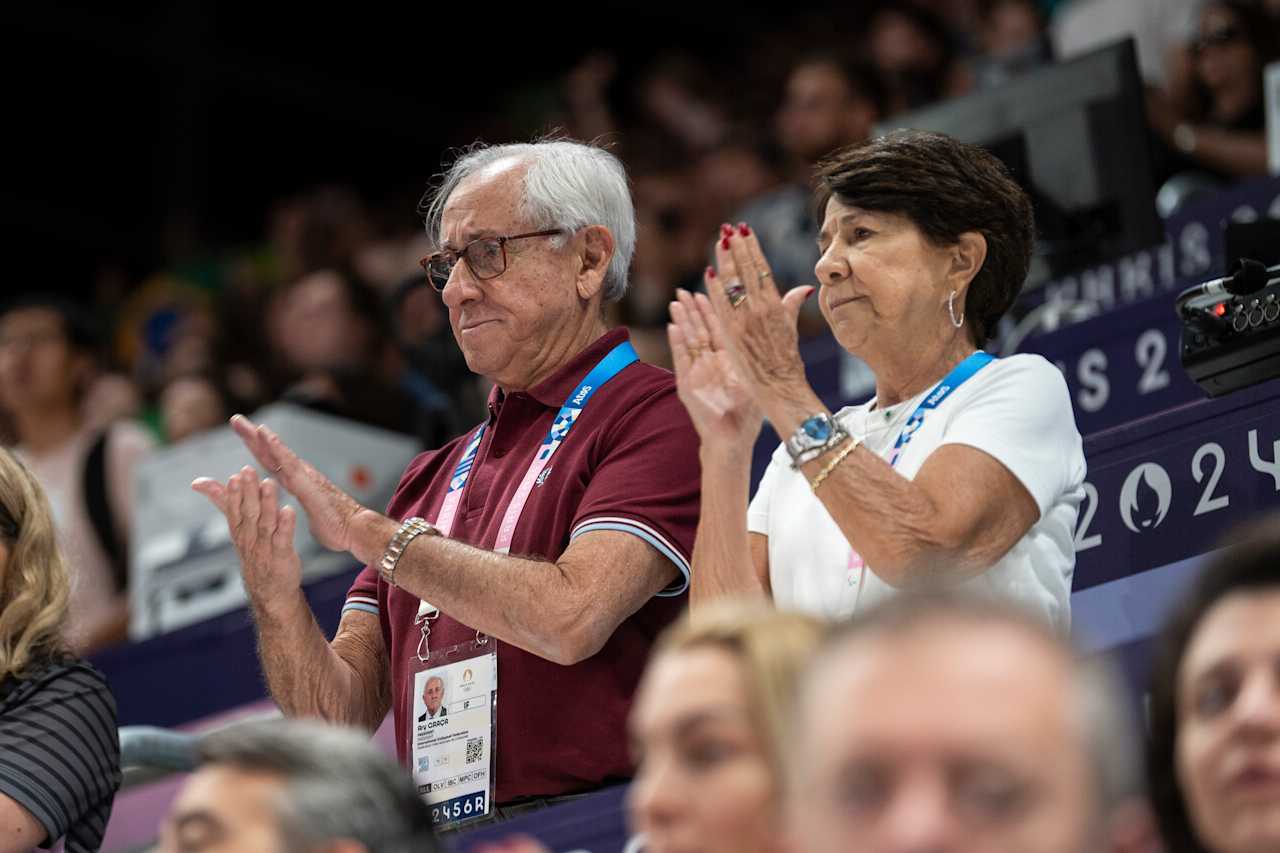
(60,750)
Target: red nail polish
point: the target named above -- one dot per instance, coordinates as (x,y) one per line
(812,291)
(724,244)
(743,229)
(711,272)
(726,230)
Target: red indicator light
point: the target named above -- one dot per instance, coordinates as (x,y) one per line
(1220,309)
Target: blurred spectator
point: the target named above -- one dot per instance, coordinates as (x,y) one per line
(828,104)
(902,743)
(166,328)
(190,405)
(1215,703)
(586,88)
(296,787)
(1012,41)
(323,229)
(914,54)
(670,251)
(1223,131)
(678,94)
(111,397)
(46,358)
(734,172)
(448,396)
(61,761)
(711,722)
(963,18)
(329,331)
(245,357)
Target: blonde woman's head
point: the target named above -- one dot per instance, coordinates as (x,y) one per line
(33,577)
(708,724)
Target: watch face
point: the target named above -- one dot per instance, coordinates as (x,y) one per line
(817,428)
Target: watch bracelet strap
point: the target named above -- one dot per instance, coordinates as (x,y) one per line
(822,475)
(409,530)
(838,436)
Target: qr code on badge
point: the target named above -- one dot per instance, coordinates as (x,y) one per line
(475,746)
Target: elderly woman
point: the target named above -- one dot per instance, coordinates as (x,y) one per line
(1214,759)
(962,470)
(709,724)
(60,764)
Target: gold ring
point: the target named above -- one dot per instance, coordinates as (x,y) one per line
(766,274)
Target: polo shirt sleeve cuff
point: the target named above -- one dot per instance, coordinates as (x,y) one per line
(363,603)
(662,544)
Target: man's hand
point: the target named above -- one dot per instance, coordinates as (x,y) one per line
(329,509)
(261,532)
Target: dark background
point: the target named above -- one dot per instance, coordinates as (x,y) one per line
(144,134)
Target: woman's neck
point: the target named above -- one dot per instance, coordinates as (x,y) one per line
(901,375)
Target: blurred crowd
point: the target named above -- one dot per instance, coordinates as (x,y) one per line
(331,309)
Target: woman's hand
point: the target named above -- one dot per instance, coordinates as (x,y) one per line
(759,326)
(719,404)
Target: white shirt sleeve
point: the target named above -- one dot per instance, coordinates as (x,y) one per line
(1021,415)
(758,509)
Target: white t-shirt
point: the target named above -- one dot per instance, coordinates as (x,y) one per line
(1016,409)
(94,600)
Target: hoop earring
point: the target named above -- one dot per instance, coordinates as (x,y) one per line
(951,309)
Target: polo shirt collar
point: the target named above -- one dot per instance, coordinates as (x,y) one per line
(557,387)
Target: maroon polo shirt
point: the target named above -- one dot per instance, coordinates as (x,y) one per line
(630,464)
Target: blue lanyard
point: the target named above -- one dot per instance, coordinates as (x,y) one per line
(608,367)
(959,375)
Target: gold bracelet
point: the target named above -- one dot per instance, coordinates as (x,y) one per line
(836,460)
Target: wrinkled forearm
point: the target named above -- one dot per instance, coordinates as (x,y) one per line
(562,611)
(722,564)
(341,682)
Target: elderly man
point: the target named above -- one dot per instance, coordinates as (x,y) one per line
(432,699)
(587,468)
(941,724)
(296,787)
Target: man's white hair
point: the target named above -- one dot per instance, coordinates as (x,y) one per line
(567,185)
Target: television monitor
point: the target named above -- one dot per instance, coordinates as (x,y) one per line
(1074,135)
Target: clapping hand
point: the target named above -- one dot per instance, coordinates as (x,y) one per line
(719,404)
(758,325)
(261,531)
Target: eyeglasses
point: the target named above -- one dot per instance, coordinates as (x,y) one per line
(486,257)
(1217,38)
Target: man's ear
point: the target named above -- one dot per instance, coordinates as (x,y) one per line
(596,251)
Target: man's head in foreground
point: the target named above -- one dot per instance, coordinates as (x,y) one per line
(296,787)
(945,724)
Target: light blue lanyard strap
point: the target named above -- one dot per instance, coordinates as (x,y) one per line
(959,375)
(608,367)
(463,470)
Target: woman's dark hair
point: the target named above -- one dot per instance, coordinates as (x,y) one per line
(1257,26)
(81,327)
(1246,565)
(946,188)
(1261,32)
